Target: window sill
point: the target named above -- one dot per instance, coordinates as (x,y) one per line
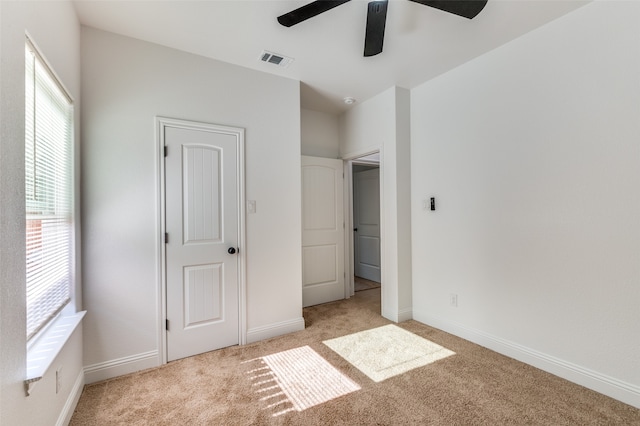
(40,356)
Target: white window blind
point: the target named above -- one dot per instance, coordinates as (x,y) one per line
(49,197)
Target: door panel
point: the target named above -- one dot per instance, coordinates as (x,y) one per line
(201,211)
(369,251)
(203,296)
(319,193)
(319,264)
(366,212)
(322,231)
(202,193)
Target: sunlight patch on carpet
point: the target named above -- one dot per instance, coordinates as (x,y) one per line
(387,351)
(297,379)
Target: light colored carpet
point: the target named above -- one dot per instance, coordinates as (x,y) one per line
(298,379)
(387,351)
(361,284)
(473,387)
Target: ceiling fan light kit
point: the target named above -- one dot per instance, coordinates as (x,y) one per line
(377,16)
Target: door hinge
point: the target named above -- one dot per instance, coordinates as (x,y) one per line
(165,150)
(166,325)
(166,238)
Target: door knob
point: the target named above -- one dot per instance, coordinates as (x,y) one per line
(355,229)
(232,250)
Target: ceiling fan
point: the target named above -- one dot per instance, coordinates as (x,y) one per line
(377,16)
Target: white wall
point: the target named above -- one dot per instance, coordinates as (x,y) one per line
(402,224)
(366,126)
(319,133)
(382,124)
(126,83)
(532,152)
(53,26)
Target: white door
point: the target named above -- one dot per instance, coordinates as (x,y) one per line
(322,231)
(366,222)
(202,225)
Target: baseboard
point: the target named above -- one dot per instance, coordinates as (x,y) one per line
(405,314)
(121,366)
(601,383)
(398,316)
(273,330)
(72,401)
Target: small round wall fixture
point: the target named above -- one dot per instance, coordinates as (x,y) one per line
(349,100)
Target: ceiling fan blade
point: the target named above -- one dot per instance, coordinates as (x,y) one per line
(376,20)
(466,8)
(308,11)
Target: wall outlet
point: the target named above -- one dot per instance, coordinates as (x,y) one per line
(58,379)
(453,300)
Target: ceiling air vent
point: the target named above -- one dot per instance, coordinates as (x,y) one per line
(275,59)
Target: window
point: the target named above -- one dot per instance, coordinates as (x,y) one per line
(49,193)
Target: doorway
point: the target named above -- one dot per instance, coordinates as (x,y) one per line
(365,241)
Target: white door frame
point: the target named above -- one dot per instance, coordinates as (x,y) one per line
(349,266)
(160,124)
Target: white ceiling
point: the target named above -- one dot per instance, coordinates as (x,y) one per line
(420,42)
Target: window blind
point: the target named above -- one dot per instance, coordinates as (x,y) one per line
(49,197)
